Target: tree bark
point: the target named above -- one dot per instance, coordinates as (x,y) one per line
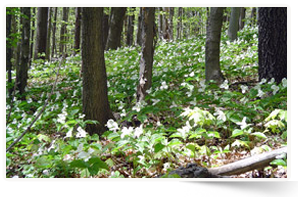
(9,52)
(32,35)
(54,32)
(95,92)
(41,32)
(77,41)
(22,68)
(105,26)
(272,48)
(116,27)
(242,18)
(146,62)
(63,31)
(179,23)
(130,28)
(48,50)
(212,71)
(139,33)
(234,23)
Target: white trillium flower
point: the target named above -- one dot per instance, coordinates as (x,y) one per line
(260,93)
(112,125)
(224,85)
(163,86)
(284,82)
(243,88)
(192,74)
(220,115)
(138,131)
(275,89)
(126,131)
(243,124)
(81,133)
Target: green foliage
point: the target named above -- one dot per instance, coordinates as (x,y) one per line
(182,120)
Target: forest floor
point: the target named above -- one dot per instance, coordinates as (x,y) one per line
(183,119)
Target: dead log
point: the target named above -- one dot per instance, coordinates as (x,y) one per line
(251,163)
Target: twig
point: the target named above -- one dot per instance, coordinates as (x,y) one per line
(41,111)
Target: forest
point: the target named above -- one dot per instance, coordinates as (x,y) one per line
(146,92)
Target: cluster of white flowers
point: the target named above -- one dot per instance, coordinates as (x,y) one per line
(224,85)
(164,86)
(113,126)
(220,114)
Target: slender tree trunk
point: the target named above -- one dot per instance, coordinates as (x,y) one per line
(116,27)
(9,52)
(77,40)
(171,27)
(272,48)
(253,16)
(160,23)
(41,31)
(54,32)
(63,31)
(130,28)
(242,18)
(95,91)
(139,33)
(234,23)
(32,35)
(212,70)
(146,62)
(48,50)
(179,23)
(165,25)
(22,68)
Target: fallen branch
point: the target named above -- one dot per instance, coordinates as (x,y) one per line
(41,111)
(254,162)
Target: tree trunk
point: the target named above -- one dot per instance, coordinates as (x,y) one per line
(253,16)
(272,43)
(160,23)
(116,26)
(139,34)
(95,92)
(22,68)
(146,62)
(105,27)
(63,31)
(9,52)
(77,40)
(234,23)
(48,51)
(130,28)
(242,18)
(212,70)
(171,26)
(165,26)
(41,32)
(54,32)
(179,23)
(32,35)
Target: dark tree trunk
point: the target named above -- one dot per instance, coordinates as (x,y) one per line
(146,62)
(116,26)
(95,92)
(253,16)
(213,71)
(242,18)
(54,32)
(130,28)
(48,51)
(171,27)
(63,31)
(77,40)
(22,68)
(41,31)
(166,26)
(105,29)
(9,52)
(139,34)
(272,43)
(32,35)
(234,23)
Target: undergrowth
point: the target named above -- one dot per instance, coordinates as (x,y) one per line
(183,119)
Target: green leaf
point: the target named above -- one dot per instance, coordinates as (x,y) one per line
(95,163)
(191,147)
(259,135)
(43,162)
(237,132)
(79,164)
(174,142)
(279,162)
(158,147)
